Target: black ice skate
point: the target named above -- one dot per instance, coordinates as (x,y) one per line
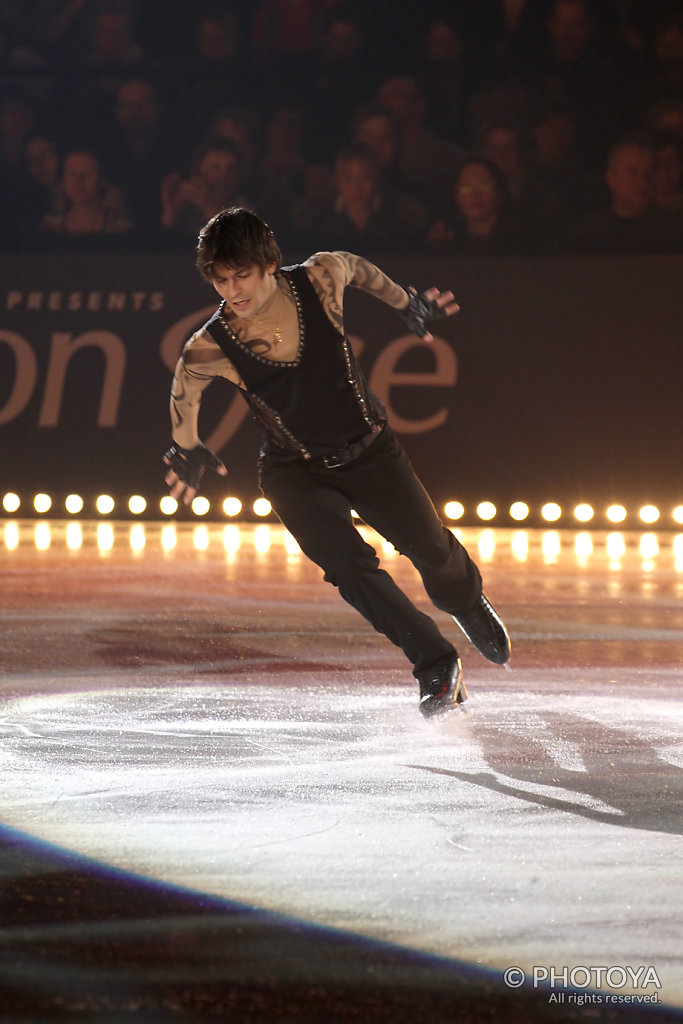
(484,628)
(441,687)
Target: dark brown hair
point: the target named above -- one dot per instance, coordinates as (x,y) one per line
(236,238)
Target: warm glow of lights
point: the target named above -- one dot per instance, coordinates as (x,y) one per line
(42,503)
(232,506)
(616,513)
(584,513)
(42,536)
(11,502)
(262,507)
(168,505)
(200,538)
(11,536)
(550,545)
(291,545)
(137,537)
(583,545)
(677,514)
(454,510)
(519,510)
(262,539)
(388,548)
(520,545)
(616,546)
(105,504)
(486,510)
(137,504)
(74,536)
(649,545)
(200,505)
(551,512)
(105,537)
(73,503)
(169,538)
(231,538)
(354,514)
(486,545)
(649,513)
(678,551)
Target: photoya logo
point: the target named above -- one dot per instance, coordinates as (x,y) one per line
(609,984)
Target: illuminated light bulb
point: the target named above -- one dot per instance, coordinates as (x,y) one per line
(169,538)
(200,538)
(42,536)
(551,512)
(519,510)
(262,539)
(520,546)
(454,510)
(42,503)
(388,548)
(677,514)
(649,513)
(138,538)
(291,545)
(11,502)
(73,503)
(262,507)
(136,504)
(649,546)
(616,546)
(583,545)
(616,513)
(168,505)
(74,536)
(551,545)
(486,510)
(200,506)
(11,536)
(231,538)
(486,545)
(105,504)
(678,551)
(584,513)
(232,506)
(354,514)
(105,537)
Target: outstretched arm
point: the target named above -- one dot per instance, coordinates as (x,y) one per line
(332,272)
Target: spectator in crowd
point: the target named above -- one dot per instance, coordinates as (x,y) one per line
(502,36)
(240,126)
(666,115)
(443,75)
(377,127)
(218,66)
(17,121)
(281,170)
(668,57)
(215,182)
(479,218)
(139,149)
(505,144)
(427,161)
(92,207)
(362,215)
(571,70)
(668,174)
(631,222)
(558,166)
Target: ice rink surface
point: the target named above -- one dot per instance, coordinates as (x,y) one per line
(219,797)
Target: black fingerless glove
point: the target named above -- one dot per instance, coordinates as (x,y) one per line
(189,464)
(418,311)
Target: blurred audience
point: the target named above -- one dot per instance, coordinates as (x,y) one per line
(479,217)
(540,88)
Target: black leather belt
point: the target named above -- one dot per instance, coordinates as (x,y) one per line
(350,451)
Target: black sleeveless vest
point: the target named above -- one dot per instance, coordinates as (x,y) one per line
(315,405)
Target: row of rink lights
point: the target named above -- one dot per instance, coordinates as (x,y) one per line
(263,536)
(454,511)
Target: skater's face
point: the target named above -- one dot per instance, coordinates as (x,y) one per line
(245,289)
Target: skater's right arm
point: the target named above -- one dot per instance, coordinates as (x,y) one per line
(200,362)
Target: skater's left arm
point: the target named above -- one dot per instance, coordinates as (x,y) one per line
(332,272)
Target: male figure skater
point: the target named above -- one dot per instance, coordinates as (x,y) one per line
(278,335)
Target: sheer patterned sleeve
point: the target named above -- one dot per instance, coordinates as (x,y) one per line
(201,361)
(332,272)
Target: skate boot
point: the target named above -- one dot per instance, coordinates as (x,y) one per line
(441,687)
(484,629)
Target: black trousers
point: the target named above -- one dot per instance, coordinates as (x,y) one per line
(315,503)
